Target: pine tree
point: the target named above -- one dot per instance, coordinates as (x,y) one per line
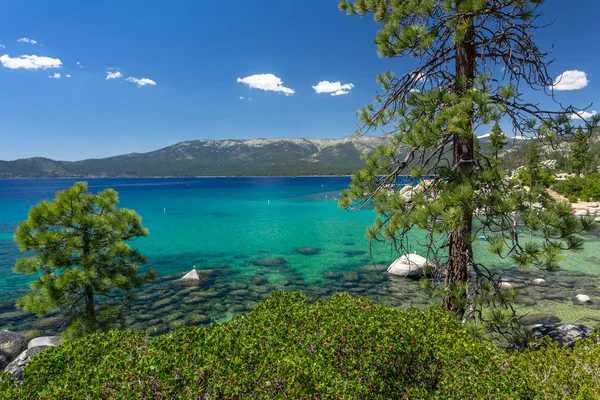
(497,140)
(472,58)
(581,158)
(532,161)
(84,267)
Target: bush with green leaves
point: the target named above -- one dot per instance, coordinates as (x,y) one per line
(344,347)
(586,188)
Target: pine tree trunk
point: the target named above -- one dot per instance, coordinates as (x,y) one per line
(90,311)
(460,247)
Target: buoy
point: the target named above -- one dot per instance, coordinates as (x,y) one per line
(483,238)
(268,202)
(165,210)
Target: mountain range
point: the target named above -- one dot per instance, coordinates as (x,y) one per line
(254,157)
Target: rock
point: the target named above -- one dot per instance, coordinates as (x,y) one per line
(16,367)
(53,323)
(308,251)
(564,334)
(583,299)
(45,341)
(594,205)
(408,265)
(13,316)
(30,334)
(539,282)
(539,319)
(191,276)
(506,285)
(332,275)
(163,302)
(11,345)
(350,276)
(239,292)
(580,212)
(369,268)
(405,189)
(269,262)
(352,253)
(259,281)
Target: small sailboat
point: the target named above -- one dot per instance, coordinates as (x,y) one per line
(191,276)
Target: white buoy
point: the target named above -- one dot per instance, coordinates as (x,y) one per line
(165,210)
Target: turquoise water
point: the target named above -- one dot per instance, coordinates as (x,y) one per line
(223,225)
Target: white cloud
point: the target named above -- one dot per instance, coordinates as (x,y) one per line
(141,81)
(113,75)
(68,76)
(245,98)
(335,88)
(583,114)
(268,82)
(571,80)
(29,62)
(2,46)
(27,40)
(56,75)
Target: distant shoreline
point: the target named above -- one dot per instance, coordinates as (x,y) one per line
(186,177)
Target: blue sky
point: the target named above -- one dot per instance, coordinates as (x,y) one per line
(194,52)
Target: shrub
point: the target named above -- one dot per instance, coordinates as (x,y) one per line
(344,347)
(583,188)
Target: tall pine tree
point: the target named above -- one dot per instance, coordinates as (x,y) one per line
(497,140)
(581,158)
(85,269)
(472,58)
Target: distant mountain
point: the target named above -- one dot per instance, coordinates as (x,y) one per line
(255,157)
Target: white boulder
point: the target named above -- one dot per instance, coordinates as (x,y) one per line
(408,265)
(45,341)
(580,212)
(191,276)
(506,285)
(539,282)
(583,299)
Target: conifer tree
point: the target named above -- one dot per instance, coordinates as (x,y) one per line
(497,140)
(532,161)
(472,58)
(85,270)
(581,158)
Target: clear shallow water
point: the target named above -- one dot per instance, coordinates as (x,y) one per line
(224,224)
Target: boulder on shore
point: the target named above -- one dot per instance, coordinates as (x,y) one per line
(17,366)
(564,334)
(539,282)
(408,265)
(45,341)
(11,345)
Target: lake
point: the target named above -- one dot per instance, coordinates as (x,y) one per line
(224,225)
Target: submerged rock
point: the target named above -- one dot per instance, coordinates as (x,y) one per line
(269,262)
(564,334)
(11,345)
(17,366)
(539,282)
(308,251)
(352,253)
(539,319)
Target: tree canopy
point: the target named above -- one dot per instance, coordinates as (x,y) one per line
(474,58)
(85,270)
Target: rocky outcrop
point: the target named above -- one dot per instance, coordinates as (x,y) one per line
(11,345)
(564,334)
(17,366)
(45,341)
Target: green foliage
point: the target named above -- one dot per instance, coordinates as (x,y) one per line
(532,163)
(580,158)
(497,139)
(586,188)
(84,267)
(544,177)
(344,347)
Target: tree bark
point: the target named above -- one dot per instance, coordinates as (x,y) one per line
(460,248)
